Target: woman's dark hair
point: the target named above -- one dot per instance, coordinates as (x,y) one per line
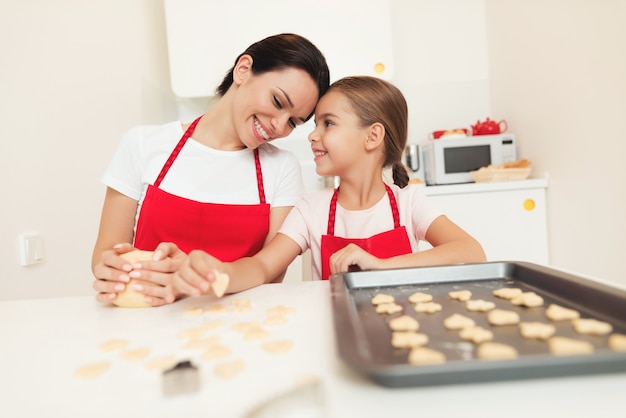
(285,50)
(374,100)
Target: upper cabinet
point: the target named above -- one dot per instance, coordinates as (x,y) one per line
(205,36)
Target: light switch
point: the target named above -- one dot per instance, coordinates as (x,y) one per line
(31,249)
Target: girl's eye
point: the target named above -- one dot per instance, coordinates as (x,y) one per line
(328,123)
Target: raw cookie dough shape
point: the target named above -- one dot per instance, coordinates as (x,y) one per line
(404,323)
(280,310)
(240,305)
(496,351)
(427,307)
(275,319)
(476,335)
(617,342)
(408,339)
(382,298)
(458,321)
(537,330)
(462,295)
(388,308)
(277,347)
(201,343)
(93,370)
(112,345)
(563,346)
(420,356)
(507,292)
(559,313)
(135,354)
(220,284)
(229,369)
(503,317)
(592,327)
(479,305)
(216,308)
(215,351)
(161,363)
(419,297)
(129,297)
(195,311)
(528,299)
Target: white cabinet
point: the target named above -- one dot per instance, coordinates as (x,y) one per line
(509,219)
(205,36)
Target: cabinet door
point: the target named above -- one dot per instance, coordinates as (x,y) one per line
(205,37)
(510,225)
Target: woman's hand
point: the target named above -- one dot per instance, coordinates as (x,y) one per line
(196,273)
(111,273)
(353,255)
(154,277)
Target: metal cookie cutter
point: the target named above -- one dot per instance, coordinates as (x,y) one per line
(180,379)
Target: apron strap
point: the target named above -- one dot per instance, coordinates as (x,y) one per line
(181,143)
(394,207)
(259,176)
(175,152)
(330,230)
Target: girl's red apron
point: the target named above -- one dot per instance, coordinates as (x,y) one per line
(227,232)
(384,245)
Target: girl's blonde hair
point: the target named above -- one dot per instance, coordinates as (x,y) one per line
(375,100)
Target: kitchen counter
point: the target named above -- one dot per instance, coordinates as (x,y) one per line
(44,341)
(447,189)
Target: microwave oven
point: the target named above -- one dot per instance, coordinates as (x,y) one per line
(450,161)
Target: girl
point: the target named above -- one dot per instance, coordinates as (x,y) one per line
(361,128)
(215,184)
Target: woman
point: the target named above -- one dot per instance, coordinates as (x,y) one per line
(361,128)
(214,184)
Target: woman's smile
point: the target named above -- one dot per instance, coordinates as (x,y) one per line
(260,133)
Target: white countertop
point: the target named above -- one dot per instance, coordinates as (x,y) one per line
(44,341)
(538,183)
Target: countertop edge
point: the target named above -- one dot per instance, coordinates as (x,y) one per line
(538,183)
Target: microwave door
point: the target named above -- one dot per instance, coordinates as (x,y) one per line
(459,161)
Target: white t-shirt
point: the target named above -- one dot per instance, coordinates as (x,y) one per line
(308,220)
(201,173)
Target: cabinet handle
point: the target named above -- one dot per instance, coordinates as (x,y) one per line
(379,68)
(529,204)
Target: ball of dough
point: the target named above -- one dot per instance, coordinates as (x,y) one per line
(130,298)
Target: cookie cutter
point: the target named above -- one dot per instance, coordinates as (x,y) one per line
(181,379)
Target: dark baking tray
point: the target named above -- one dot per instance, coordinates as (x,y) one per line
(364,338)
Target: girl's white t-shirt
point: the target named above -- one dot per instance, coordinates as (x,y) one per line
(201,173)
(308,220)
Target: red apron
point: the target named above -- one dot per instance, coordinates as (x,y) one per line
(384,245)
(225,231)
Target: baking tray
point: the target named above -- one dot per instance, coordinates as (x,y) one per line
(363,336)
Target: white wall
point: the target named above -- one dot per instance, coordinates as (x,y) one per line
(558,74)
(75,75)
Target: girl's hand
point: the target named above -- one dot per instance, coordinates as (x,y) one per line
(196,273)
(155,277)
(353,255)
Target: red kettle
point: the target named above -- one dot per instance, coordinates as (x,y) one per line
(489,127)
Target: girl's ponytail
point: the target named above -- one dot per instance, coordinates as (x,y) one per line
(400,175)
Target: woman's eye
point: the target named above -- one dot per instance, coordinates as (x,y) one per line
(292,123)
(277,102)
